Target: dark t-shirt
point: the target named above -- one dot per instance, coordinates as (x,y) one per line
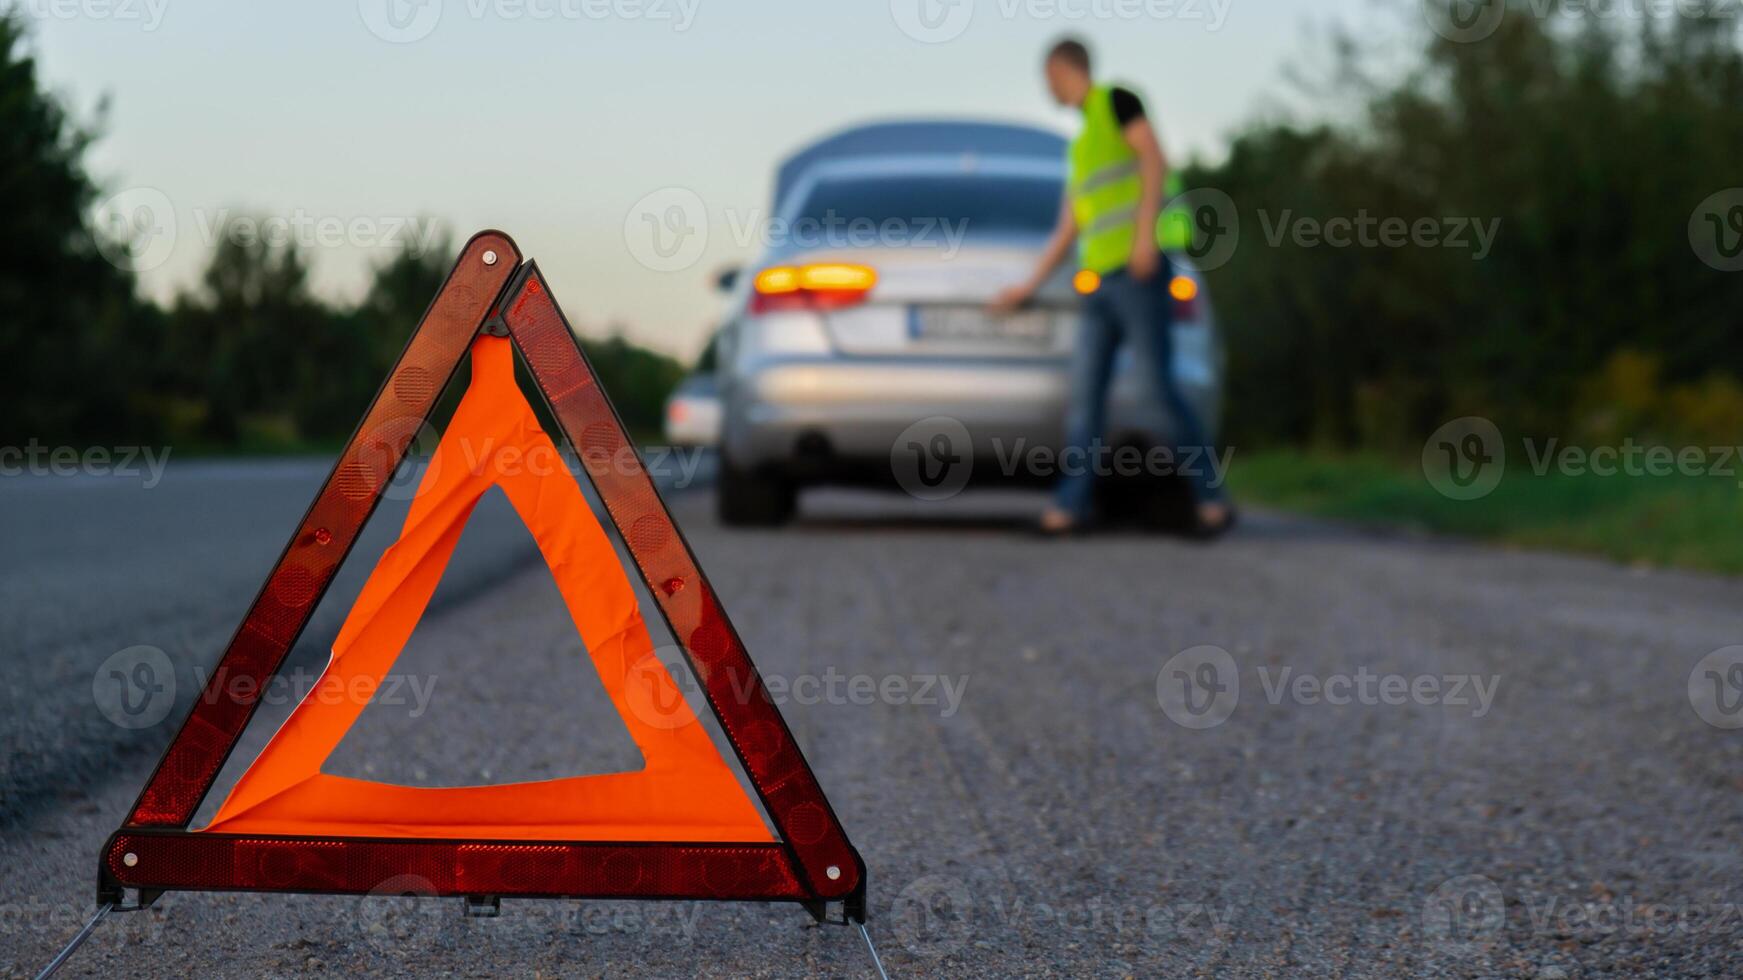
(1127,105)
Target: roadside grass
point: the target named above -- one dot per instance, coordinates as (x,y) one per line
(1677,520)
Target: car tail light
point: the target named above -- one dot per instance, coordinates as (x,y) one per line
(1184,289)
(816,286)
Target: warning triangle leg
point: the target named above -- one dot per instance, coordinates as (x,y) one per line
(327,532)
(765,746)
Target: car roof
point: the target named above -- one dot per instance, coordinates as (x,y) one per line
(912,137)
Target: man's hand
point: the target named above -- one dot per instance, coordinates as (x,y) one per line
(1058,243)
(1009,299)
(1145,259)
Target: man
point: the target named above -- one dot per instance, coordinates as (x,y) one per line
(1112,203)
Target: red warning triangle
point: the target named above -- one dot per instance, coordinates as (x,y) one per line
(680,827)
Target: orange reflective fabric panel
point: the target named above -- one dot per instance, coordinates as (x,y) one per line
(684,792)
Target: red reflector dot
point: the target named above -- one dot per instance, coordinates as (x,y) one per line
(673,586)
(323,536)
(807,823)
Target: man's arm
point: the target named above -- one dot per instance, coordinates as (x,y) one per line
(1058,243)
(1152,173)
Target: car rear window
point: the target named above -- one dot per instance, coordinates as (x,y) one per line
(970,206)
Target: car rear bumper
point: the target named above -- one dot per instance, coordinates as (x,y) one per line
(858,409)
(829,418)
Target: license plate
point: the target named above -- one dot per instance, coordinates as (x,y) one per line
(974,325)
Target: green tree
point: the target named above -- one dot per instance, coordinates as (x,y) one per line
(74,342)
(253,343)
(1591,142)
(637,379)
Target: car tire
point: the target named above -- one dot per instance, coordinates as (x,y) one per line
(1157,503)
(747,498)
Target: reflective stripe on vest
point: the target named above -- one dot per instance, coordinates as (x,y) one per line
(1108,175)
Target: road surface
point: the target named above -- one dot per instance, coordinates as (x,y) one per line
(1305,750)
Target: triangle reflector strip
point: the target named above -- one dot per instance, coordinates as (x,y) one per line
(680,827)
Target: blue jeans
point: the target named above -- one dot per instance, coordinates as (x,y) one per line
(1141,314)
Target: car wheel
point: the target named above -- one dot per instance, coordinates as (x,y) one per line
(1155,503)
(746,498)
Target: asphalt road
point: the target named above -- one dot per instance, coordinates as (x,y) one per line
(1304,750)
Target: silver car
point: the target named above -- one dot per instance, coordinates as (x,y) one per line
(860,333)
